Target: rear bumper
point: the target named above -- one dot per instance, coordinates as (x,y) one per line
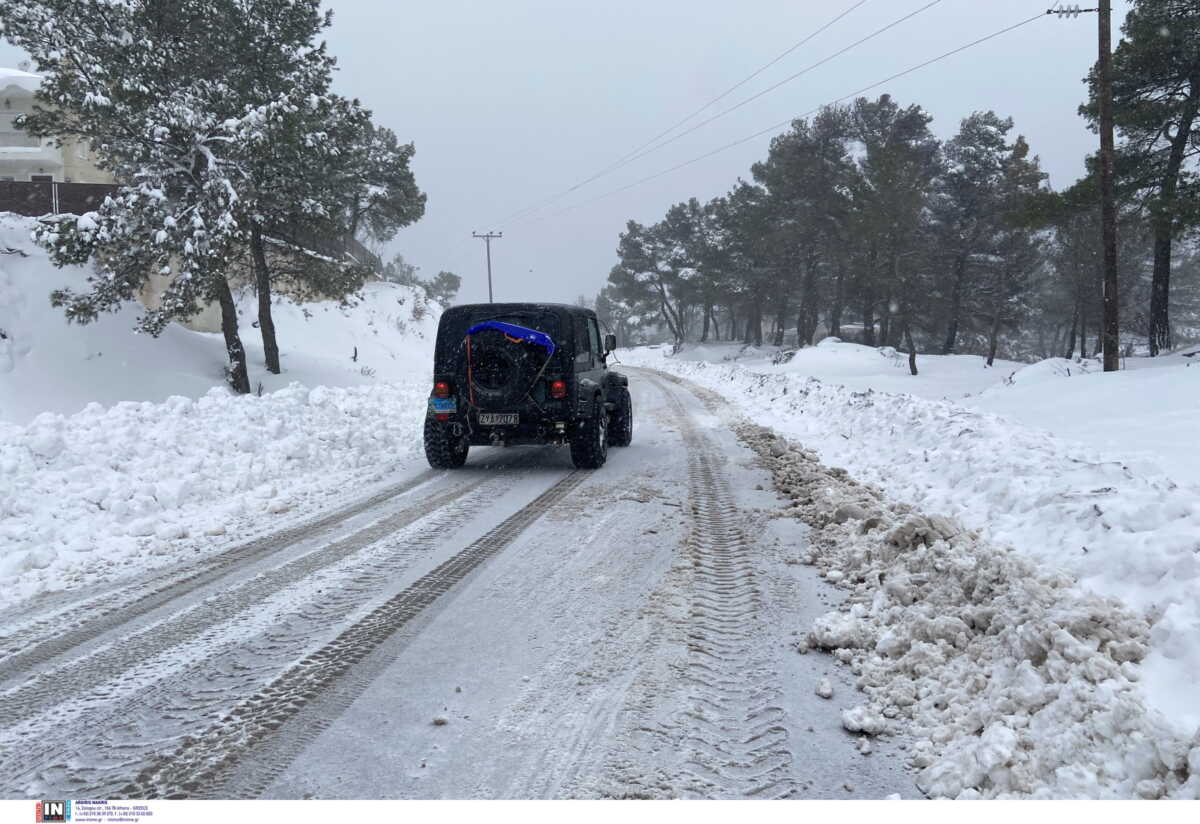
(553,426)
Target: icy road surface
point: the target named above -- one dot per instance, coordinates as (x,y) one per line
(514,629)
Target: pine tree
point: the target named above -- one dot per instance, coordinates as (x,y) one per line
(314,168)
(964,210)
(645,274)
(1156,103)
(443,288)
(383,194)
(1017,252)
(807,172)
(899,163)
(136,80)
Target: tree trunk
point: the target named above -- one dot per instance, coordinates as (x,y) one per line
(994,334)
(673,320)
(781,321)
(806,326)
(956,294)
(1160,288)
(1074,331)
(912,348)
(868,318)
(1083,325)
(670,323)
(1164,225)
(839,302)
(716,322)
(239,378)
(992,339)
(262,276)
(758,316)
(704,329)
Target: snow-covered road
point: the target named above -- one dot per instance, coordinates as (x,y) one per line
(513,629)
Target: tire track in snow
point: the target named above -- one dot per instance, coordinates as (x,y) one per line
(737,736)
(45,639)
(230,665)
(110,661)
(241,744)
(68,626)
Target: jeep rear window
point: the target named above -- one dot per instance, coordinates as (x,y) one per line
(454,328)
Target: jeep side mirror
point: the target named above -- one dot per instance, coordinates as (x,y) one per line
(610,343)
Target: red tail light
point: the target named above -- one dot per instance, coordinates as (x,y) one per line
(441,389)
(558,389)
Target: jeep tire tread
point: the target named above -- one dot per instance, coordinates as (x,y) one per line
(589,447)
(442,450)
(620,428)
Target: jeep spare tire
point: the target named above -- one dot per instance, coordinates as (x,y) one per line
(500,370)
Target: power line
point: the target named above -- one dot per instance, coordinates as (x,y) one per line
(632,155)
(774,127)
(788,79)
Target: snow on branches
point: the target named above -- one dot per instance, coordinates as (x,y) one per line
(217,119)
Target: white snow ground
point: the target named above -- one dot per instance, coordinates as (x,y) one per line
(119,452)
(1116,522)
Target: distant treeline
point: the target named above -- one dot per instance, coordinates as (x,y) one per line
(861,224)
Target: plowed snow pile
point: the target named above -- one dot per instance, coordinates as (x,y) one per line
(106,493)
(1022,671)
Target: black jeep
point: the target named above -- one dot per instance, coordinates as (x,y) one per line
(525,373)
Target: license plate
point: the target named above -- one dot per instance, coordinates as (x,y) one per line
(443,406)
(498,418)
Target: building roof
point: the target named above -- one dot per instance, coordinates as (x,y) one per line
(15,77)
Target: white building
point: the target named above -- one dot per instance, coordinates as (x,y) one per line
(26,158)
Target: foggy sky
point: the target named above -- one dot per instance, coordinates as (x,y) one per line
(510,103)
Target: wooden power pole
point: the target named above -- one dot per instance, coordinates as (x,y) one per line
(487,239)
(1111,335)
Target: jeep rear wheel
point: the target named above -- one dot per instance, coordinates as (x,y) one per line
(589,447)
(620,429)
(443,450)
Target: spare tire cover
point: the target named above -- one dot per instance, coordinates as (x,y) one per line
(502,371)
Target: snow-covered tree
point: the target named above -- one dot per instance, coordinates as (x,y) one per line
(383,194)
(217,118)
(141,82)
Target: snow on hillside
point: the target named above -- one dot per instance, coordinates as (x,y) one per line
(1151,425)
(863,367)
(119,452)
(1148,412)
(47,365)
(1111,517)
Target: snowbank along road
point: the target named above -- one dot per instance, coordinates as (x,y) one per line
(513,629)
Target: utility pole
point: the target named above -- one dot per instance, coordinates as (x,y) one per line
(1108,201)
(487,238)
